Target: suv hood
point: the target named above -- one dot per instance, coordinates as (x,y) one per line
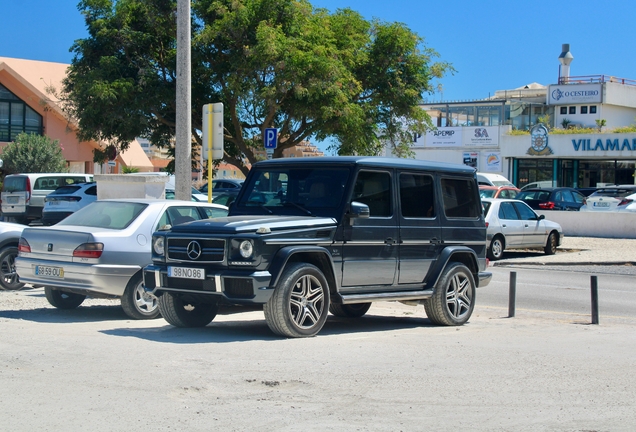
(246,224)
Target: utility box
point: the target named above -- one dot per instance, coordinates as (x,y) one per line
(111,186)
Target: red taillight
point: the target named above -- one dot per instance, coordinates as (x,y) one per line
(89,250)
(28,189)
(74,199)
(487,224)
(625,201)
(546,205)
(23,245)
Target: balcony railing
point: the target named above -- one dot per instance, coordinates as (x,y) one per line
(593,79)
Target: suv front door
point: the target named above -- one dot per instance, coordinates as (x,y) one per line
(370,250)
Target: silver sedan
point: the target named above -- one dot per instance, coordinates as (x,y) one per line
(512,224)
(101,249)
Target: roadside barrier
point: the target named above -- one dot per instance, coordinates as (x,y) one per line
(512,296)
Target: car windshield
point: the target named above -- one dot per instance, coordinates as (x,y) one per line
(105,214)
(487,193)
(486,206)
(615,193)
(65,190)
(292,191)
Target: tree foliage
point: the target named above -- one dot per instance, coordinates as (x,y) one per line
(31,153)
(273,63)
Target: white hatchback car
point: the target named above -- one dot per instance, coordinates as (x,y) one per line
(612,199)
(512,224)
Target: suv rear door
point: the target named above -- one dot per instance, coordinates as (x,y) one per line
(420,232)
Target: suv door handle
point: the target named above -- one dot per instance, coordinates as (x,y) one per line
(435,240)
(390,241)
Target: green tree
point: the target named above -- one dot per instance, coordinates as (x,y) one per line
(31,153)
(273,63)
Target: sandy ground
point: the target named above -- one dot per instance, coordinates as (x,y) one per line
(94,369)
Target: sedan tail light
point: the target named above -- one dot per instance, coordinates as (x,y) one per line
(546,205)
(89,250)
(23,245)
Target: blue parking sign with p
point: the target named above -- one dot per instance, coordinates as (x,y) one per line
(271,138)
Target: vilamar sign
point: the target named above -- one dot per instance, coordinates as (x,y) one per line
(609,144)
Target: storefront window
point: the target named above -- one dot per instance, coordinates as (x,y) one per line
(603,173)
(533,170)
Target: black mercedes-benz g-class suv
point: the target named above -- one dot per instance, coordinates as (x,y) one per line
(329,234)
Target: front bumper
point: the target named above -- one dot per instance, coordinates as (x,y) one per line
(108,280)
(234,286)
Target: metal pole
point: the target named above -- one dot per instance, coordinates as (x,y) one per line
(512,295)
(594,290)
(183,144)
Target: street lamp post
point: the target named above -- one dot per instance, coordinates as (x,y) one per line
(183,144)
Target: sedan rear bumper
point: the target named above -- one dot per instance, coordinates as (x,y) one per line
(102,279)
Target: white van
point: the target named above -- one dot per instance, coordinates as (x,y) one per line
(23,194)
(490,179)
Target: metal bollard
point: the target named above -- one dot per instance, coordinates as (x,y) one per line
(512,295)
(594,290)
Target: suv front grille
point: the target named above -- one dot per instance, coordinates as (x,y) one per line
(211,250)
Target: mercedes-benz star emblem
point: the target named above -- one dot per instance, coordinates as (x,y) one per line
(194,250)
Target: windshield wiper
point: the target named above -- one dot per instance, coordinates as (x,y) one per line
(298,206)
(265,208)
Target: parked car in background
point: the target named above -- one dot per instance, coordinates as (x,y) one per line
(223,185)
(539,185)
(491,179)
(587,191)
(101,249)
(66,200)
(612,198)
(498,192)
(552,198)
(9,238)
(23,194)
(512,224)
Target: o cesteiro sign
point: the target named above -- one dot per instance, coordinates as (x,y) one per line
(574,93)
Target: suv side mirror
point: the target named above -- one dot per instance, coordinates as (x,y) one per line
(358,210)
(540,217)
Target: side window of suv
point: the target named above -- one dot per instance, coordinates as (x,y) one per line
(417,196)
(460,198)
(374,189)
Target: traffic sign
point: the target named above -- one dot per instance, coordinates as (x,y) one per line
(271,138)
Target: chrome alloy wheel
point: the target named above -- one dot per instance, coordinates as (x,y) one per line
(145,302)
(459,296)
(307,302)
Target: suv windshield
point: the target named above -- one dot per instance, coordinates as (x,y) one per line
(293,191)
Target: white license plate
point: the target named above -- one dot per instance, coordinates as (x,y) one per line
(48,271)
(186,273)
(12,200)
(54,203)
(601,204)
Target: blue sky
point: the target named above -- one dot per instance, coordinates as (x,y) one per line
(493,45)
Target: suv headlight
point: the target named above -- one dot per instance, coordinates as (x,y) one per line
(246,248)
(158,245)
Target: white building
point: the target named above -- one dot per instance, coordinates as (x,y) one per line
(478,133)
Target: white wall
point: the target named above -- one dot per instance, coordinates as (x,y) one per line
(594,224)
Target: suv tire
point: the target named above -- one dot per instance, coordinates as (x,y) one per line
(182,314)
(349,310)
(453,301)
(63,299)
(137,303)
(300,304)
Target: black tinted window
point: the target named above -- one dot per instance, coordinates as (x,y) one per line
(417,195)
(374,189)
(14,184)
(461,200)
(507,211)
